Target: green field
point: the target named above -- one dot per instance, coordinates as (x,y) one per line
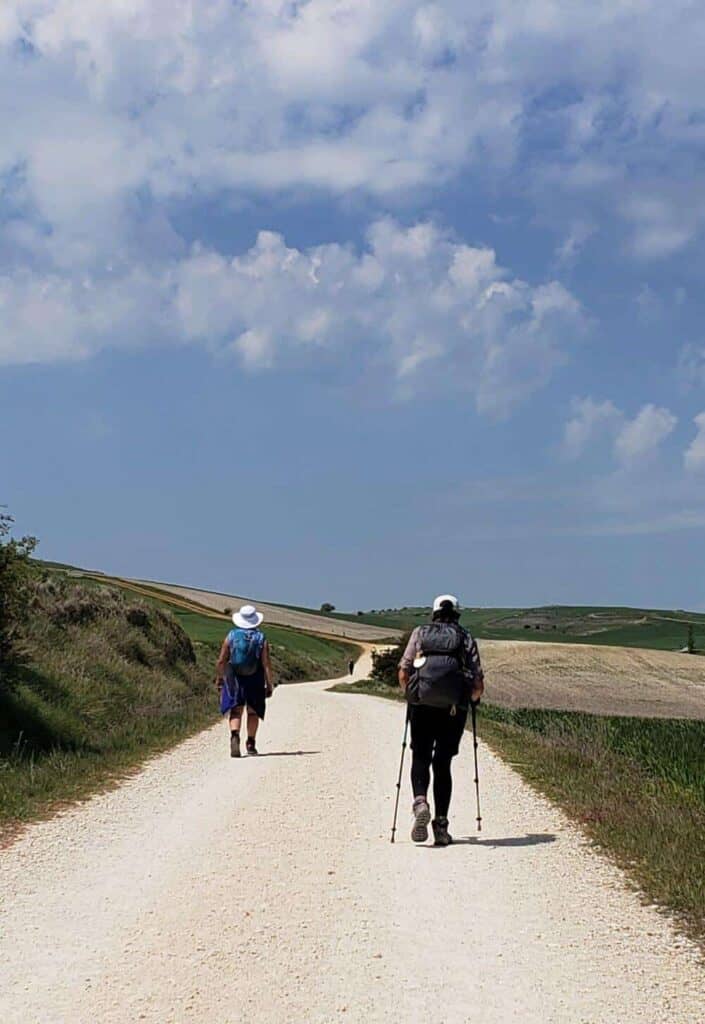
(619,627)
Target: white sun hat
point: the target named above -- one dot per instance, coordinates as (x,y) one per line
(248,617)
(446,597)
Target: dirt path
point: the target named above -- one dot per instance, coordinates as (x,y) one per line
(266,890)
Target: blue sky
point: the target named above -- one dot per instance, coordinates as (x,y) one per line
(357,302)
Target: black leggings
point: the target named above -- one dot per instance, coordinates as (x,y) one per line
(435,738)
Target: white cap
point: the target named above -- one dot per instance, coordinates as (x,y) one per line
(248,617)
(445,597)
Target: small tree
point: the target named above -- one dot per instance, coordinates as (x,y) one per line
(691,639)
(385,664)
(327,607)
(14,586)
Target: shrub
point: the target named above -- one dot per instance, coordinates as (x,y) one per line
(15,577)
(385,664)
(691,640)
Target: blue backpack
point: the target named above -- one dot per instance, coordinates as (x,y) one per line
(245,650)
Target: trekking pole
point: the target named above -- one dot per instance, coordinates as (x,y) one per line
(401,768)
(473,709)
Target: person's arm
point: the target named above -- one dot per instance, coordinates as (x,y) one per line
(222,663)
(267,665)
(406,663)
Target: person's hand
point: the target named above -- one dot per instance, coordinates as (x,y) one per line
(269,689)
(218,682)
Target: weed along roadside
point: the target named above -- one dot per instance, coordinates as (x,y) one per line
(106,679)
(635,786)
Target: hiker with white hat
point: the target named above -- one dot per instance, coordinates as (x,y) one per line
(441,675)
(244,676)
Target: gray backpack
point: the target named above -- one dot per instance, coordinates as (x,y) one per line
(442,680)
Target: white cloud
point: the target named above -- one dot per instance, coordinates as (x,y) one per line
(588,421)
(640,436)
(165,96)
(632,440)
(695,453)
(422,308)
(50,318)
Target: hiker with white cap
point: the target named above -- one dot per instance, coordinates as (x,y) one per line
(244,675)
(441,675)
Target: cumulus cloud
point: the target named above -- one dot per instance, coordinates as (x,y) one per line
(589,419)
(414,302)
(695,453)
(632,440)
(165,97)
(640,436)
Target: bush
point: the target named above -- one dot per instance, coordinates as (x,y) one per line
(691,640)
(327,607)
(385,664)
(15,577)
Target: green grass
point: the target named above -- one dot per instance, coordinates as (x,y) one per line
(621,627)
(109,679)
(635,786)
(105,682)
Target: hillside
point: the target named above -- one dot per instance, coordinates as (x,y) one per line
(104,678)
(619,627)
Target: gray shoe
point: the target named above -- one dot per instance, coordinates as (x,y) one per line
(234,744)
(422,816)
(441,835)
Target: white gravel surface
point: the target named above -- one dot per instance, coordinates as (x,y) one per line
(216,891)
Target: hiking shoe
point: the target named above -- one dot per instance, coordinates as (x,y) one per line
(251,748)
(422,816)
(441,835)
(235,744)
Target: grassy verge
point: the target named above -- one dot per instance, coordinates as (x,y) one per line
(109,679)
(635,786)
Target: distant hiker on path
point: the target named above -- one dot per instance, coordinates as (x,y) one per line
(440,674)
(351,666)
(244,676)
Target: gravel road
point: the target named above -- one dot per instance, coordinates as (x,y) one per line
(206,889)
